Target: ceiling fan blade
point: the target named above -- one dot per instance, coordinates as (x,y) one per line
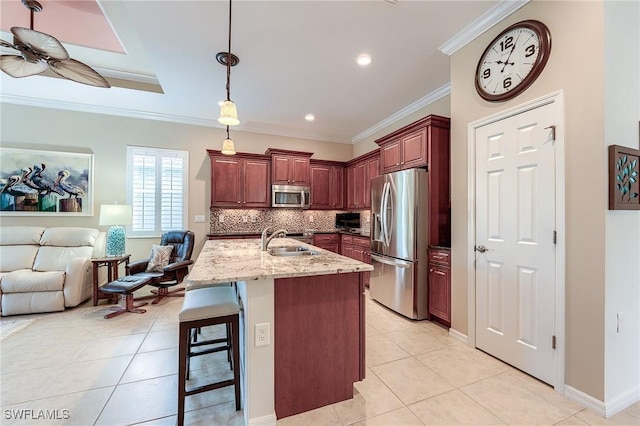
(42,43)
(6,44)
(78,72)
(17,67)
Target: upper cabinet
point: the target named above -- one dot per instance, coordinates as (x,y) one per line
(413,145)
(360,171)
(289,167)
(327,185)
(240,181)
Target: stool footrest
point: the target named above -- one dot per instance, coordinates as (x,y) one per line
(209,387)
(210,351)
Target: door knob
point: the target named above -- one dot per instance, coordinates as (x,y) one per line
(481,249)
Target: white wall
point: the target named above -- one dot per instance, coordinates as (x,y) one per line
(622,288)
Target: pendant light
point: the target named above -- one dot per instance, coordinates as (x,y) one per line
(227,145)
(228,111)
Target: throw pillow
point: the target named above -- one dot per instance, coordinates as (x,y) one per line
(159,258)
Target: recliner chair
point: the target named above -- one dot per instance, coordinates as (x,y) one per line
(171,274)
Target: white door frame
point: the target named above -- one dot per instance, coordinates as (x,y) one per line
(557,99)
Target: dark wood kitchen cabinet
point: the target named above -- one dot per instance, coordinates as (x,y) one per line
(327,185)
(329,242)
(240,181)
(414,145)
(358,248)
(360,171)
(289,167)
(440,285)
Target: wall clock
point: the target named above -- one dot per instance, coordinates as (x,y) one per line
(513,60)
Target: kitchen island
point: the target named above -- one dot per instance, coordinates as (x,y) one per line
(313,308)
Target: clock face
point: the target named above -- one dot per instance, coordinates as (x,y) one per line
(513,60)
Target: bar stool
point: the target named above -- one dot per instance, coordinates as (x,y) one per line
(204,307)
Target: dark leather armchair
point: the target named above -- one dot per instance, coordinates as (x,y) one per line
(174,272)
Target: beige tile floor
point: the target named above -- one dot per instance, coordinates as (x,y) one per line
(123,371)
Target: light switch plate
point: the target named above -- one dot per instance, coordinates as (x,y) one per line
(199,218)
(220,219)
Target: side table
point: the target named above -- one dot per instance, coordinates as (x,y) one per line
(112,263)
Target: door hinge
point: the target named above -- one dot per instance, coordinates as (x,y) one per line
(553,132)
(553,342)
(555,237)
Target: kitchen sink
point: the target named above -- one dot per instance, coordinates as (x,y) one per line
(291,251)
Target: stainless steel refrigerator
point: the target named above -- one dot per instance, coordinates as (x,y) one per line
(399,226)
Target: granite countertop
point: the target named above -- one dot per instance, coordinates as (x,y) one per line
(361,233)
(242,260)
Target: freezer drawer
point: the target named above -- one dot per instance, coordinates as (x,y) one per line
(392,284)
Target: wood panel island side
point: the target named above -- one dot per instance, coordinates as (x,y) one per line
(314,308)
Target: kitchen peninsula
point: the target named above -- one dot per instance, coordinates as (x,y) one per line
(313,305)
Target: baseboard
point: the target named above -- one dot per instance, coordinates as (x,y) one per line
(605,410)
(457,335)
(269,420)
(623,401)
(584,399)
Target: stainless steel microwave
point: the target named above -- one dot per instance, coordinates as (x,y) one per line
(290,196)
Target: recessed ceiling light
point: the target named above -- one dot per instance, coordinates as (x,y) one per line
(363,59)
(309,117)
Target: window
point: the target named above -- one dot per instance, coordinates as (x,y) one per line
(157,190)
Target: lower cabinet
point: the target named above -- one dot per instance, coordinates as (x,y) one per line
(358,248)
(329,242)
(440,285)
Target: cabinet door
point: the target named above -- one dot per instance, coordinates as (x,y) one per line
(373,170)
(361,182)
(336,185)
(226,189)
(299,171)
(351,187)
(256,188)
(439,293)
(414,149)
(280,173)
(321,188)
(390,155)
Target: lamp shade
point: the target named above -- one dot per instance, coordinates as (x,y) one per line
(115,214)
(228,114)
(228,148)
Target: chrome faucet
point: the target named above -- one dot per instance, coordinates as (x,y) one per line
(264,241)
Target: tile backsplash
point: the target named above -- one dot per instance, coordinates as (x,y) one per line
(254,221)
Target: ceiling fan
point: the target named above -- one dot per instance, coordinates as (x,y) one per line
(39,51)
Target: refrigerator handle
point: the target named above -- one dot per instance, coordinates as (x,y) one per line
(387,261)
(384,209)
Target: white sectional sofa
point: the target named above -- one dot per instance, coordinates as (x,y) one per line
(46,269)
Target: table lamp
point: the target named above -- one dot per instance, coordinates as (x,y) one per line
(116,215)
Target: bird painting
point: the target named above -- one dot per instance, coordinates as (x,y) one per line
(61,183)
(45,186)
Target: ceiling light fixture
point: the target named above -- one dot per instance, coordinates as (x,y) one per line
(363,59)
(309,117)
(39,51)
(228,111)
(227,145)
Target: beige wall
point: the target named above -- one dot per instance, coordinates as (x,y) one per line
(576,67)
(107,138)
(439,107)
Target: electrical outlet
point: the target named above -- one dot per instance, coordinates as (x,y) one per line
(220,219)
(245,219)
(253,219)
(263,334)
(619,317)
(199,218)
(310,219)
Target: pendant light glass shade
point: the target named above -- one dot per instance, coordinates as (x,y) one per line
(228,114)
(228,148)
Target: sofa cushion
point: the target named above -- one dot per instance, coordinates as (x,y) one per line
(17,257)
(57,258)
(69,237)
(20,235)
(24,281)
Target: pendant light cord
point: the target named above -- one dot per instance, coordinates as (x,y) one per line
(228,132)
(229,60)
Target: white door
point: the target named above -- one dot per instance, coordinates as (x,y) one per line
(515,251)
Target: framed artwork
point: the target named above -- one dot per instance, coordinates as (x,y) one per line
(45,183)
(624,178)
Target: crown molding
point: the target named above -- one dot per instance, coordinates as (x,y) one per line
(494,15)
(404,112)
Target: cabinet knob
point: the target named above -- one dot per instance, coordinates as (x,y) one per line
(402,162)
(397,164)
(430,269)
(238,202)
